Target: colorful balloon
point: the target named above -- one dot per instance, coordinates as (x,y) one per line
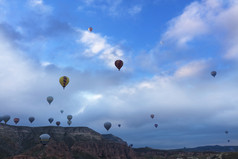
(44,138)
(90,29)
(119,64)
(64,80)
(16,120)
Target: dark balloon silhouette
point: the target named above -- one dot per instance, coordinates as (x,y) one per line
(213,73)
(119,125)
(50,120)
(107,125)
(58,123)
(156,125)
(152,116)
(119,64)
(31,119)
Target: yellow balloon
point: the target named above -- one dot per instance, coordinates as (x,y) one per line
(64,80)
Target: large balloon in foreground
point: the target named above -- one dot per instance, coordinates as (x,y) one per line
(1,118)
(156,125)
(49,99)
(107,125)
(69,122)
(119,64)
(6,118)
(64,80)
(90,29)
(69,117)
(50,120)
(16,120)
(213,73)
(152,116)
(31,119)
(44,138)
(58,123)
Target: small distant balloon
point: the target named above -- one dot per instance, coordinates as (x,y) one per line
(31,119)
(64,80)
(226,132)
(156,125)
(213,73)
(49,99)
(61,111)
(69,117)
(58,123)
(119,64)
(90,29)
(44,138)
(50,120)
(16,120)
(119,125)
(107,125)
(228,140)
(69,122)
(152,116)
(6,118)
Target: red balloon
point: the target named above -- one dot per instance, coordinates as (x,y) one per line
(119,64)
(16,120)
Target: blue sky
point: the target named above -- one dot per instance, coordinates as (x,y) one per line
(169,48)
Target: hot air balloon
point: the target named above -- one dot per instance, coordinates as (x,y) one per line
(69,122)
(50,120)
(228,140)
(119,125)
(69,117)
(152,116)
(31,119)
(226,132)
(90,29)
(156,125)
(119,64)
(1,118)
(213,73)
(107,125)
(58,123)
(16,120)
(49,99)
(44,138)
(61,111)
(6,118)
(64,80)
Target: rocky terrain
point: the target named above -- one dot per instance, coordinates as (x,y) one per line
(21,142)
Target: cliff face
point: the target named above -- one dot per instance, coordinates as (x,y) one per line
(19,142)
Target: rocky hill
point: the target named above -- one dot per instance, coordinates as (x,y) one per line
(21,142)
(18,142)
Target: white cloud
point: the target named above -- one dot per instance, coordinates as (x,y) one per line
(135,10)
(194,68)
(98,45)
(215,17)
(39,6)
